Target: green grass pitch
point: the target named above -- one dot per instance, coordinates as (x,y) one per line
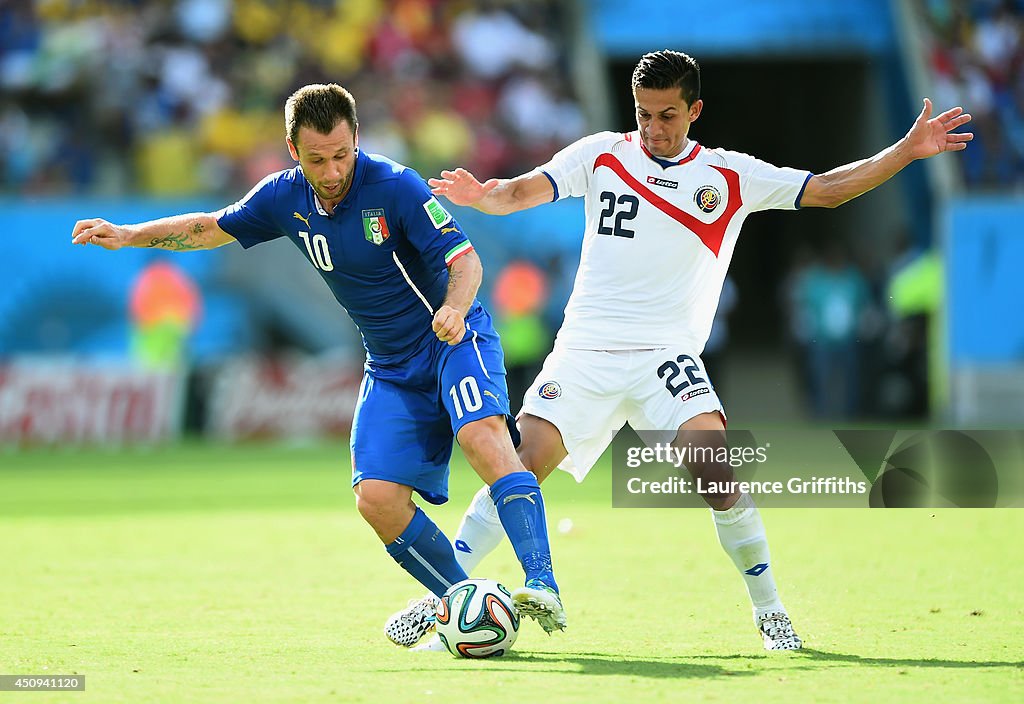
(213,574)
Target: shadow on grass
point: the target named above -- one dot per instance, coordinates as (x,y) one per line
(824,656)
(589,664)
(683,666)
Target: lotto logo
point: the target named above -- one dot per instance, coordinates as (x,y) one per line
(550,390)
(696,392)
(662,182)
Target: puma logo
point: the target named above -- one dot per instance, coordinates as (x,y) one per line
(446,230)
(488,393)
(513,497)
(303,219)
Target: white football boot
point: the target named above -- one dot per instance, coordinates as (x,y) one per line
(541,603)
(777,631)
(407,626)
(431,645)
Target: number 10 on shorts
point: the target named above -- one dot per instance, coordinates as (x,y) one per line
(469,392)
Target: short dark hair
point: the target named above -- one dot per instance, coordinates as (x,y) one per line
(319,106)
(663,69)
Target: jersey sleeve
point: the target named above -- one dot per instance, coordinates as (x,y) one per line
(570,169)
(251,220)
(765,186)
(428,226)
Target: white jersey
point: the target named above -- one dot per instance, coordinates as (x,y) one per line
(659,237)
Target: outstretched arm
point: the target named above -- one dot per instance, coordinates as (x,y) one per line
(496,196)
(929,136)
(178,233)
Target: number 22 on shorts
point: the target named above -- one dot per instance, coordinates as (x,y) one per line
(671,369)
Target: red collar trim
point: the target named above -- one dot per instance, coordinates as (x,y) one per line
(666,162)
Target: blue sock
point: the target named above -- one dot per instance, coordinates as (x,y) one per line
(521,510)
(423,551)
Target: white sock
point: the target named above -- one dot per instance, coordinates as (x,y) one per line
(479,533)
(741,533)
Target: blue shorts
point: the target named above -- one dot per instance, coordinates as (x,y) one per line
(404,434)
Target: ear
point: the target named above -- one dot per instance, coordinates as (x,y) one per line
(695,109)
(292,149)
(355,137)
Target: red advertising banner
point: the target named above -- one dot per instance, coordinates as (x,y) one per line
(294,398)
(50,403)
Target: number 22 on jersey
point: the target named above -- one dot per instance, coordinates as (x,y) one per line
(619,210)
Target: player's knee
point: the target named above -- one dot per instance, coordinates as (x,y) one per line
(541,449)
(482,430)
(488,447)
(704,439)
(377,501)
(486,440)
(367,508)
(537,461)
(719,476)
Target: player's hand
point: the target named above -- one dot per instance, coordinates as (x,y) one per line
(449,325)
(461,187)
(933,135)
(99,232)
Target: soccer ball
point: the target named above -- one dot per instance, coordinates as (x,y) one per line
(476,619)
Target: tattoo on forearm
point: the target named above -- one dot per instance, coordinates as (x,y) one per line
(453,277)
(178,241)
(197,228)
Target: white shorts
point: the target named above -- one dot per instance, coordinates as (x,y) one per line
(589,394)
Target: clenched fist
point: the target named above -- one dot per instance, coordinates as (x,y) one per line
(449,325)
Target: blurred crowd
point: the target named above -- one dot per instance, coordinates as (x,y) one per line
(858,329)
(182,97)
(977,60)
(185,98)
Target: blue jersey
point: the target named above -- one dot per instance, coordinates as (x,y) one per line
(384,252)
